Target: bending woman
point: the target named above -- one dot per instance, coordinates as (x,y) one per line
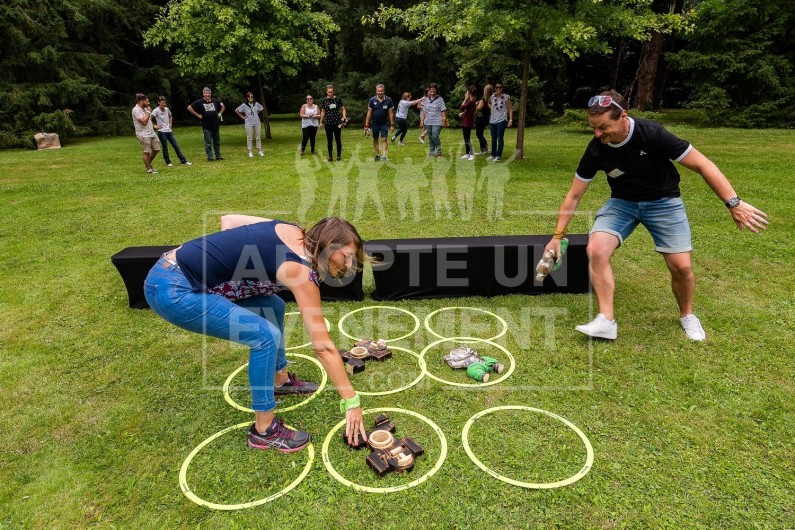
(221,285)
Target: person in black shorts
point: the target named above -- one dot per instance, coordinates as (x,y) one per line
(333,117)
(636,155)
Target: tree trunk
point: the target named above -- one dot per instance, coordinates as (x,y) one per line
(617,49)
(662,69)
(560,87)
(647,72)
(523,99)
(265,114)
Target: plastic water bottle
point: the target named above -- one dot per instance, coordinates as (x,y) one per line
(551,261)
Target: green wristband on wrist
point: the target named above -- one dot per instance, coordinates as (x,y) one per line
(351,403)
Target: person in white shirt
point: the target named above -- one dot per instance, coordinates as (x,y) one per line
(248,111)
(164,121)
(142,120)
(310,121)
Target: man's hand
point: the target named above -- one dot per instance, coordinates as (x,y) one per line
(746,216)
(553,244)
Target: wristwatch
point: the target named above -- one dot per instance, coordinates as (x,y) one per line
(734,202)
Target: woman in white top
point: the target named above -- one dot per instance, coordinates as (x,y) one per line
(401,116)
(310,121)
(501,119)
(248,111)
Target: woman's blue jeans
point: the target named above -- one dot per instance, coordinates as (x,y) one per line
(498,138)
(435,147)
(257,322)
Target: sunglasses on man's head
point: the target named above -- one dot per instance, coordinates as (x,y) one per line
(603,101)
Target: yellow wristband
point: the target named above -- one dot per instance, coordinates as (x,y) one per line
(558,234)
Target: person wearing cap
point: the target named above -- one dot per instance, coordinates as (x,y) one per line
(209,110)
(142,120)
(636,155)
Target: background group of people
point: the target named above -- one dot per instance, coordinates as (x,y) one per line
(490,108)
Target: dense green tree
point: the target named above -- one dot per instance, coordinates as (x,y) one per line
(500,37)
(237,40)
(738,61)
(58,61)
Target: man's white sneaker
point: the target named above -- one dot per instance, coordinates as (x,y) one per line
(250,154)
(692,327)
(261,153)
(600,327)
(471,157)
(169,165)
(465,157)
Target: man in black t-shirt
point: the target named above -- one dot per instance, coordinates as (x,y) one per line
(636,156)
(209,111)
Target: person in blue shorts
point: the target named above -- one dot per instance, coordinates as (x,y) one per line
(381,120)
(224,285)
(636,155)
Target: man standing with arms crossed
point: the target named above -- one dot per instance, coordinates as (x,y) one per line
(142,119)
(636,155)
(209,110)
(381,111)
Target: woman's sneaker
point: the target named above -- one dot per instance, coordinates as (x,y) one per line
(293,385)
(278,436)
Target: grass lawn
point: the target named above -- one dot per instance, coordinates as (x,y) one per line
(102,404)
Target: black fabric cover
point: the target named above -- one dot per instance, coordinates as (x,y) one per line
(473,266)
(134,263)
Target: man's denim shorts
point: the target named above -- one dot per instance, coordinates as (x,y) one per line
(665,219)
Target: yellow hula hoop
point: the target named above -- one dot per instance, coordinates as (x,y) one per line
(423,371)
(470,385)
(238,406)
(406,311)
(532,485)
(183,472)
(328,328)
(368,489)
(498,317)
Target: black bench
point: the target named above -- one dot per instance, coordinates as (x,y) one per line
(134,263)
(473,266)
